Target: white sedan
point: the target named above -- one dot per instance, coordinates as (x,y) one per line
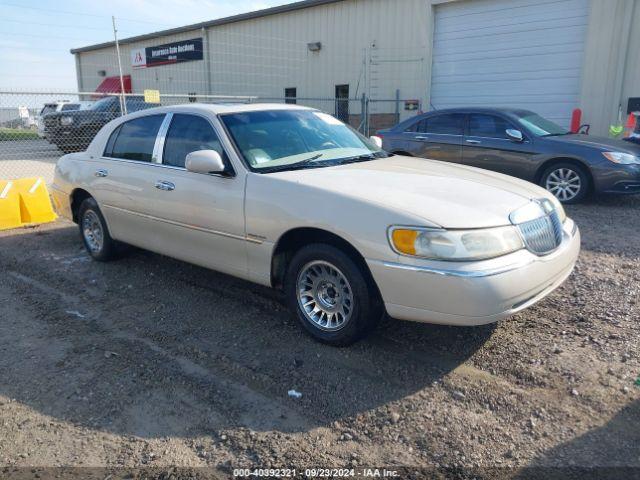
(290,197)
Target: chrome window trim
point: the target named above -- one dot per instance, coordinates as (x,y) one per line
(119,128)
(216,130)
(158,148)
(159,165)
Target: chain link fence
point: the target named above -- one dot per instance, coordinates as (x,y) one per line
(37,128)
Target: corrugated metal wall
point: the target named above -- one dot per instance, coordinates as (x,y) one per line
(611,71)
(510,53)
(361,47)
(374,46)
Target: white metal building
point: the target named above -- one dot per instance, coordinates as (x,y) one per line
(550,56)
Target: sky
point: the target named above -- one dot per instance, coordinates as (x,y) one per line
(36,36)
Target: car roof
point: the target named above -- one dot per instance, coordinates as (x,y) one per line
(222,108)
(480,109)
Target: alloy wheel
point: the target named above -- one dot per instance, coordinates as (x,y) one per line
(564,183)
(92,231)
(325,296)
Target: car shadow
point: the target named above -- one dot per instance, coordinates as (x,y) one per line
(609,452)
(154,347)
(606,222)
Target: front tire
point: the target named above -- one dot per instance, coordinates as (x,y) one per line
(95,233)
(568,182)
(333,299)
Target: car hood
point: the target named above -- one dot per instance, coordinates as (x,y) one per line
(79,115)
(601,143)
(450,196)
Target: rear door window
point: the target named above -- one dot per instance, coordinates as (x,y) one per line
(448,124)
(136,139)
(451,124)
(188,133)
(488,126)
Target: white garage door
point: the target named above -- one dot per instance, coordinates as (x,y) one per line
(510,53)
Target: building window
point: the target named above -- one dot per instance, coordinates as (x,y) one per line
(290,95)
(342,103)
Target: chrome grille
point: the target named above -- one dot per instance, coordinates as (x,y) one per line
(542,235)
(50,122)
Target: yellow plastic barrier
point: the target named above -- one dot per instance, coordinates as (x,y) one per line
(24,202)
(9,206)
(35,203)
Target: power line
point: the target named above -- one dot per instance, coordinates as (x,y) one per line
(83,27)
(80,39)
(95,15)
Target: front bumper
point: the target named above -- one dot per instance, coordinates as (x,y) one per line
(473,293)
(61,203)
(621,179)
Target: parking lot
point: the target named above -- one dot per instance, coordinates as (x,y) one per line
(148,361)
(28,158)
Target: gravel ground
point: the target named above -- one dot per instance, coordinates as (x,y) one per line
(150,362)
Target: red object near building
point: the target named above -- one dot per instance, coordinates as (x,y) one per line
(576,118)
(112,85)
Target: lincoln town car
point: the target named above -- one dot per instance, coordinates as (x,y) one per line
(290,197)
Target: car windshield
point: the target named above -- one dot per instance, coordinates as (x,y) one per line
(112,104)
(103,104)
(277,140)
(540,126)
(48,108)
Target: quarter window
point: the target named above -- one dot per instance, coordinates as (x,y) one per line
(188,133)
(135,139)
(488,126)
(108,150)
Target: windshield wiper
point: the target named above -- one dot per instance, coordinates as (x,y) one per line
(557,134)
(362,158)
(292,166)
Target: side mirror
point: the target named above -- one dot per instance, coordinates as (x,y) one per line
(204,161)
(515,135)
(377,141)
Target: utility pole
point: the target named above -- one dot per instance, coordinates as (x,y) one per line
(123,103)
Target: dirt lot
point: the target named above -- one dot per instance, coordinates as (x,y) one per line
(152,362)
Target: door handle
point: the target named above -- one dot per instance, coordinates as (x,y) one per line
(474,142)
(165,186)
(101,173)
(421,138)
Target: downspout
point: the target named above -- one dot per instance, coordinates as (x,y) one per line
(623,56)
(79,74)
(207,60)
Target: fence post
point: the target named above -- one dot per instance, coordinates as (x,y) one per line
(397,106)
(363,114)
(123,102)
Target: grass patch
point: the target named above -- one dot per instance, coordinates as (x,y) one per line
(11,134)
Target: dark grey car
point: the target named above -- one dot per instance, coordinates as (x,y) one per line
(522,144)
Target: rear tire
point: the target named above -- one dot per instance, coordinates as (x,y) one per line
(568,182)
(331,296)
(95,233)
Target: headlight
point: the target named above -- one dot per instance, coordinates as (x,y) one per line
(455,245)
(66,121)
(621,158)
